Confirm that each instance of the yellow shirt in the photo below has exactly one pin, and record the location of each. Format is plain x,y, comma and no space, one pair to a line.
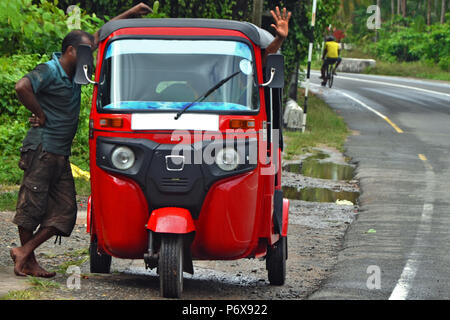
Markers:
332,48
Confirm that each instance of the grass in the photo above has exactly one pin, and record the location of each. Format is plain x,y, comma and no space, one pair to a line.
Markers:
39,286
323,127
417,69
82,186
44,284
8,201
414,69
75,258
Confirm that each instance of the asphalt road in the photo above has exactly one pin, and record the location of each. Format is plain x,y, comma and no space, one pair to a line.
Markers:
399,246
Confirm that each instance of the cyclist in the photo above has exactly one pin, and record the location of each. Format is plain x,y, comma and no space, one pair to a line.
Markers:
330,56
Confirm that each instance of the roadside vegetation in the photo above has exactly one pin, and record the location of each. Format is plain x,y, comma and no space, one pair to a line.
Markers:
324,127
413,40
39,287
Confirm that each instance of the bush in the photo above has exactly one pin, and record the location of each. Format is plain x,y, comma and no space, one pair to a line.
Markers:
29,28
29,33
11,70
406,40
14,118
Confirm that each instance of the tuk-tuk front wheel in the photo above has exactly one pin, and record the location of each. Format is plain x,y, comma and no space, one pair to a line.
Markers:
276,262
99,263
171,266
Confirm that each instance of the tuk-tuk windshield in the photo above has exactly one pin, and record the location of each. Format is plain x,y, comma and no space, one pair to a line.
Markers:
167,75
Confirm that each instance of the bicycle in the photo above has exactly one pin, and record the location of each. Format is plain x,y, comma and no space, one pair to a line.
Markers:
329,75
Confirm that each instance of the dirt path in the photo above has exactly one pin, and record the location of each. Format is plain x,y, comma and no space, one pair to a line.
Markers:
315,235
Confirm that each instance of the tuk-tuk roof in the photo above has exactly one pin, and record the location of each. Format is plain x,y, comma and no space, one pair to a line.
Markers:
258,36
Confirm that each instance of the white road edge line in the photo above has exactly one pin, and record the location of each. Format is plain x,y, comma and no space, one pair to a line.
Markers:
382,116
395,85
409,272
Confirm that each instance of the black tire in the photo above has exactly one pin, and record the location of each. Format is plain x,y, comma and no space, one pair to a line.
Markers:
276,262
171,266
330,80
330,76
100,263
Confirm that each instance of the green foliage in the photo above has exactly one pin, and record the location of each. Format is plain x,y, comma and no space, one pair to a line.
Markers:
30,28
8,201
325,127
29,33
102,8
80,146
11,70
415,69
411,44
295,48
13,116
401,39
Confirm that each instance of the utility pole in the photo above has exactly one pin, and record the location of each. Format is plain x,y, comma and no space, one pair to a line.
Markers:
378,17
313,22
257,12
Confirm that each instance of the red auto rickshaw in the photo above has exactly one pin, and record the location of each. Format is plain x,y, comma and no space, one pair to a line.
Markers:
185,147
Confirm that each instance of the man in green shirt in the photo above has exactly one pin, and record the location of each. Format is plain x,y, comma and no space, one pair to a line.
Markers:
47,194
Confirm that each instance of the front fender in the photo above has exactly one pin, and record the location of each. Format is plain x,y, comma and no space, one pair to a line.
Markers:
171,220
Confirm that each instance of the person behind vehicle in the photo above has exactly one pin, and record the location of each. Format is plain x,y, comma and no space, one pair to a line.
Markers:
47,193
281,27
330,55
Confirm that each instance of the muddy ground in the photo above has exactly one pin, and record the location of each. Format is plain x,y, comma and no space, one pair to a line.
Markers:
315,236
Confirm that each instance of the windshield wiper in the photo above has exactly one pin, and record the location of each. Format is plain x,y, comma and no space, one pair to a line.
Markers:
206,94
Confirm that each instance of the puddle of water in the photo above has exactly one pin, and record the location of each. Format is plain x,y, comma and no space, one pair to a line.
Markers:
311,167
319,194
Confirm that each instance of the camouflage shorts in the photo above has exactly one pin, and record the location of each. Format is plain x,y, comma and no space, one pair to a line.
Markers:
47,194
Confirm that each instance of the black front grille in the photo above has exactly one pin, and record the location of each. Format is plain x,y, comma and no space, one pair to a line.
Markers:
174,182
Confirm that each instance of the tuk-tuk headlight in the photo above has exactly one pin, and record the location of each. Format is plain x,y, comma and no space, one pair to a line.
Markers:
123,158
227,159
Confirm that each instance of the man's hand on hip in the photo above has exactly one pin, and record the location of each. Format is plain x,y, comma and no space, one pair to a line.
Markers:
36,121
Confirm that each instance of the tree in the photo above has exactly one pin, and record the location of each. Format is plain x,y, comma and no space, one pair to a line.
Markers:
443,12
392,9
404,8
429,12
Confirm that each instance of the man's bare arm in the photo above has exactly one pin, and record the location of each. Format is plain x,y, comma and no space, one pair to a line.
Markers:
281,27
135,12
26,96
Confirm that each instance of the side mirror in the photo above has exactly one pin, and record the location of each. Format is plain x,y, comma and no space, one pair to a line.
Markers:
85,62
275,71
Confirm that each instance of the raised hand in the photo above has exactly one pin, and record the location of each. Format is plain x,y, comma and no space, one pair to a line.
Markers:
281,25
